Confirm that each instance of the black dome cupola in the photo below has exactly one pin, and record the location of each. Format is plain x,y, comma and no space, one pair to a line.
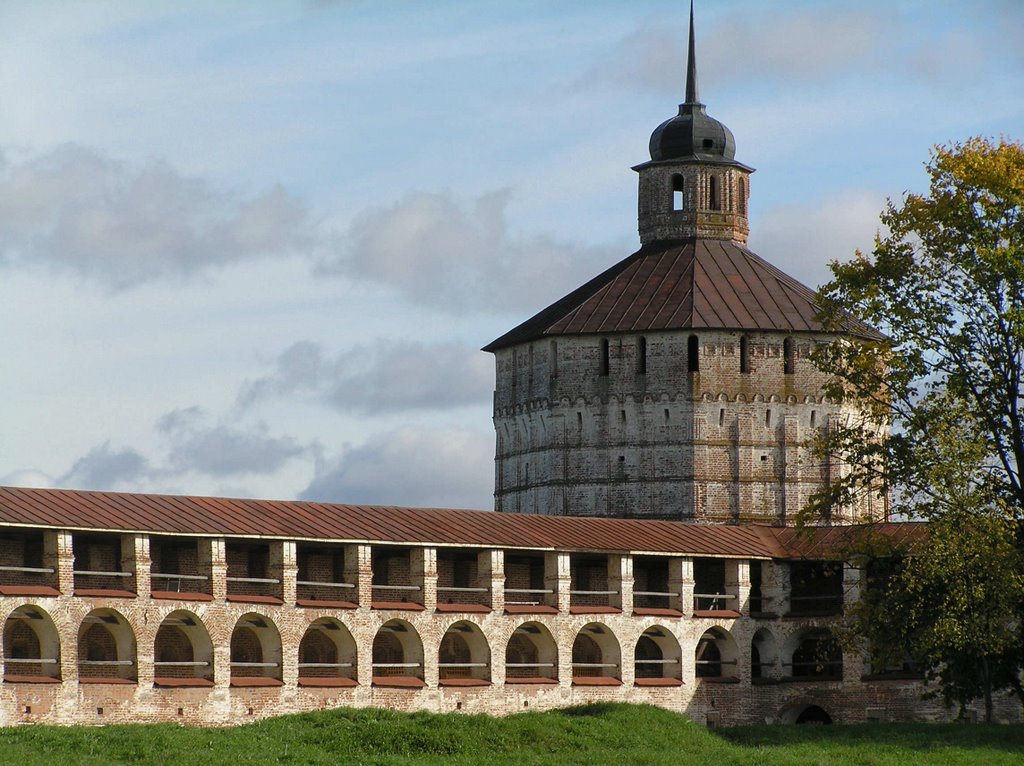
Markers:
693,187
692,134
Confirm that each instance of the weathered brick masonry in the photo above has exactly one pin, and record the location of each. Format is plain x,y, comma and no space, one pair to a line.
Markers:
727,624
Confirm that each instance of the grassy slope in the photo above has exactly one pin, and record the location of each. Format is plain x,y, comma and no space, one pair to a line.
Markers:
600,735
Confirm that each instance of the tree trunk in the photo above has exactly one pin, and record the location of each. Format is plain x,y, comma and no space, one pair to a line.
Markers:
986,679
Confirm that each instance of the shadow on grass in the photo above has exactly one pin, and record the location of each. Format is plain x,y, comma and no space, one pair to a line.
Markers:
905,736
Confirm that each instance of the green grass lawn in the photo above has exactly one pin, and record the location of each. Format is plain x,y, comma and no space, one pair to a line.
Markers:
595,735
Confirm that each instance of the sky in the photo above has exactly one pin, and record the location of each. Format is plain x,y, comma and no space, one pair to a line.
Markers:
253,248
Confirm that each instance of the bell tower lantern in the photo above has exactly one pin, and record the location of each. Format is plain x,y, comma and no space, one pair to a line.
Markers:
693,187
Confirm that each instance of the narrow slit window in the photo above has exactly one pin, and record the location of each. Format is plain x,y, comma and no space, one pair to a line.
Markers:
641,356
721,417
788,362
554,359
744,354
741,194
692,354
814,417
605,360
713,202
767,418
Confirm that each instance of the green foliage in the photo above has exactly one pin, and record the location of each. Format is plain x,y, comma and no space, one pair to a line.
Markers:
942,396
594,734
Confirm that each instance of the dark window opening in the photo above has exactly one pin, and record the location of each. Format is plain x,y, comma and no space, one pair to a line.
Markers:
678,200
708,660
818,655
756,594
788,361
641,356
605,358
713,201
692,354
744,354
742,190
708,143
709,585
816,588
554,359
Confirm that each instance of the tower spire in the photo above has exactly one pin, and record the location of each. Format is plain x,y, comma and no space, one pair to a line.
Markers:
692,96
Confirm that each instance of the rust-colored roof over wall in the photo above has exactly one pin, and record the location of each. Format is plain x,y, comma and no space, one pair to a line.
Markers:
692,284
174,514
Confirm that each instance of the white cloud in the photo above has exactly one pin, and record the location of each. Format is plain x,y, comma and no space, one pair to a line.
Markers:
389,376
411,467
121,224
801,240
440,253
28,477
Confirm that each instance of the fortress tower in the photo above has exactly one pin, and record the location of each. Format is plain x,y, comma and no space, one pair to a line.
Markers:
677,384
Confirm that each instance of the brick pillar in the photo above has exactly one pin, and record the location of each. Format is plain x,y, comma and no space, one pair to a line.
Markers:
490,570
701,471
853,588
680,581
215,561
790,468
745,464
423,572
775,587
737,583
60,555
853,585
136,558
287,569
834,465
284,561
359,572
557,578
222,662
620,578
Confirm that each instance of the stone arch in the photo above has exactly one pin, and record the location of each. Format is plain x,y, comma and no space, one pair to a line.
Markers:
106,648
596,653
182,650
397,652
716,655
464,654
657,656
531,654
764,655
31,645
813,654
803,712
255,650
327,651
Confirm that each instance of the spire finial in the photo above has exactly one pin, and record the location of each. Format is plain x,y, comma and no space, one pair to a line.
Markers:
692,97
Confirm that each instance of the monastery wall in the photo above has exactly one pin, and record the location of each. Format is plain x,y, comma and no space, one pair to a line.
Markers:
725,641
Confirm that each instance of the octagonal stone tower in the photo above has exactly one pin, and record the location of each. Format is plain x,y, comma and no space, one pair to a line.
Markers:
677,384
